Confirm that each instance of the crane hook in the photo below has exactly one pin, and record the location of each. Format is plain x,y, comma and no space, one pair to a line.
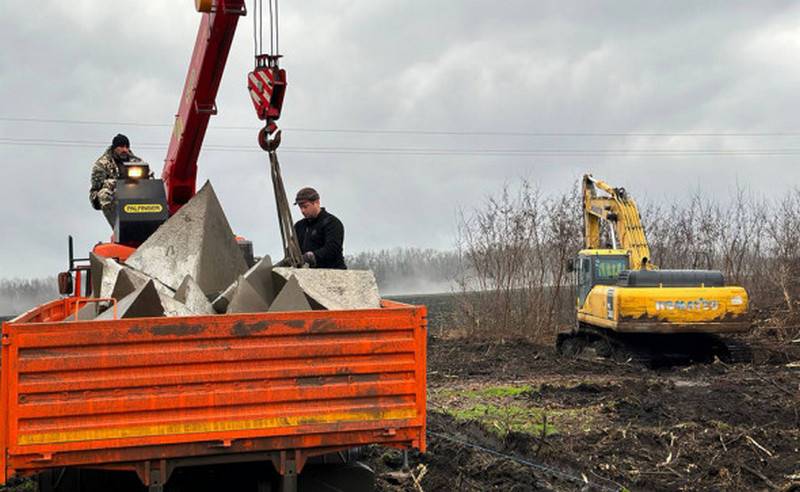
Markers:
265,139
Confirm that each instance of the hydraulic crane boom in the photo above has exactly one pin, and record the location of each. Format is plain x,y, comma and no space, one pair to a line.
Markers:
197,105
622,215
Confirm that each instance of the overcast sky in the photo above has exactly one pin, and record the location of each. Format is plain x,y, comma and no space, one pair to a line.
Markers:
634,80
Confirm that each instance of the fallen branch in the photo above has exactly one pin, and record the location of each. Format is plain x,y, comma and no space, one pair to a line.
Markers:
761,476
418,478
670,472
759,446
773,383
621,487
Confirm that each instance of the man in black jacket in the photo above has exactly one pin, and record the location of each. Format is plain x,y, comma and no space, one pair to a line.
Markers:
320,234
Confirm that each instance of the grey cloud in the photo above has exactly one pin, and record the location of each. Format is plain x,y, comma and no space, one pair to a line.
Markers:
454,65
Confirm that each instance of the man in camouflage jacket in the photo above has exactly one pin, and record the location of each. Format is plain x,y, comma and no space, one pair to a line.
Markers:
106,170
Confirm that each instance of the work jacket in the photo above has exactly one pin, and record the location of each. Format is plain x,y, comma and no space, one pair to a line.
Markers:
324,236
105,172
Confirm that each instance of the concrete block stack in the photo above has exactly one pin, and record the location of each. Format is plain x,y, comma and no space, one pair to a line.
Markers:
192,265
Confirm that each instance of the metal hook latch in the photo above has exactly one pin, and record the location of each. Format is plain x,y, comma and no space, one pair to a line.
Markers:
269,137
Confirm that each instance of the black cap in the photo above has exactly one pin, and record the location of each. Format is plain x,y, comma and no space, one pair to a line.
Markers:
306,194
120,141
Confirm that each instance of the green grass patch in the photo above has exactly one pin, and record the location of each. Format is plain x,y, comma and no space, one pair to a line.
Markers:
488,392
502,391
503,419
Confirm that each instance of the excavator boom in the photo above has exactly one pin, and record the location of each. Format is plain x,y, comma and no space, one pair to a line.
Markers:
619,210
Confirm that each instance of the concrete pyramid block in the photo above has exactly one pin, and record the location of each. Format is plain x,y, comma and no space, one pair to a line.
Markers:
111,270
221,302
290,298
173,307
86,312
129,280
96,269
246,299
124,285
196,241
191,295
336,289
260,278
141,303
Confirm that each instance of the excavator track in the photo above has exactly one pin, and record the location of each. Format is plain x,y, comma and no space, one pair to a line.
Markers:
737,352
651,350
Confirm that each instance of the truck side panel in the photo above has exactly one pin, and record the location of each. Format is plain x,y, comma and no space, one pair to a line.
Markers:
104,392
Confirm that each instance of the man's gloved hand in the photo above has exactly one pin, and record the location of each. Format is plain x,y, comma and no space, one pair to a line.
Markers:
310,259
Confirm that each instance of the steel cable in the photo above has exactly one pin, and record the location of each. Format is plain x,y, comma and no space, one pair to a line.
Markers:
271,34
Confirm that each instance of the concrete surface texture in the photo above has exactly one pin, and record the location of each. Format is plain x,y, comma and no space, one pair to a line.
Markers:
86,312
96,269
141,303
108,280
246,299
336,289
190,294
291,297
173,307
196,241
260,278
125,284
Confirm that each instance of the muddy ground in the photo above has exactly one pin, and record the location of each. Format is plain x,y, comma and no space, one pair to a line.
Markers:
571,424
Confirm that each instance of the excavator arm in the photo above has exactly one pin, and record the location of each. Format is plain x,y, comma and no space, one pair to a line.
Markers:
197,105
602,202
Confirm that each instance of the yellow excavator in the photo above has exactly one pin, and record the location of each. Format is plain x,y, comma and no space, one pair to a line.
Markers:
628,308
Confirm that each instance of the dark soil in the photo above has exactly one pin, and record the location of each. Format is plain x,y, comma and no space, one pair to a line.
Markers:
699,427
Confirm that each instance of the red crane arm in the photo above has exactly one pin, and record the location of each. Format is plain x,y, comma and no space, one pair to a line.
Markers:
214,38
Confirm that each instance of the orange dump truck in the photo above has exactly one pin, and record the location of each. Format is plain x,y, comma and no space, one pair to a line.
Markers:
151,394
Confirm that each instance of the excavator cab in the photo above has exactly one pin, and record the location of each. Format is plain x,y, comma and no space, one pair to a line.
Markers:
598,267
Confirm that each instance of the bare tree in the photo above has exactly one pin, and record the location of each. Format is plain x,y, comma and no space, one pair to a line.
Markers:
513,250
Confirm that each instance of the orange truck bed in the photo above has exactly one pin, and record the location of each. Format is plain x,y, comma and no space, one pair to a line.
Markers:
150,394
